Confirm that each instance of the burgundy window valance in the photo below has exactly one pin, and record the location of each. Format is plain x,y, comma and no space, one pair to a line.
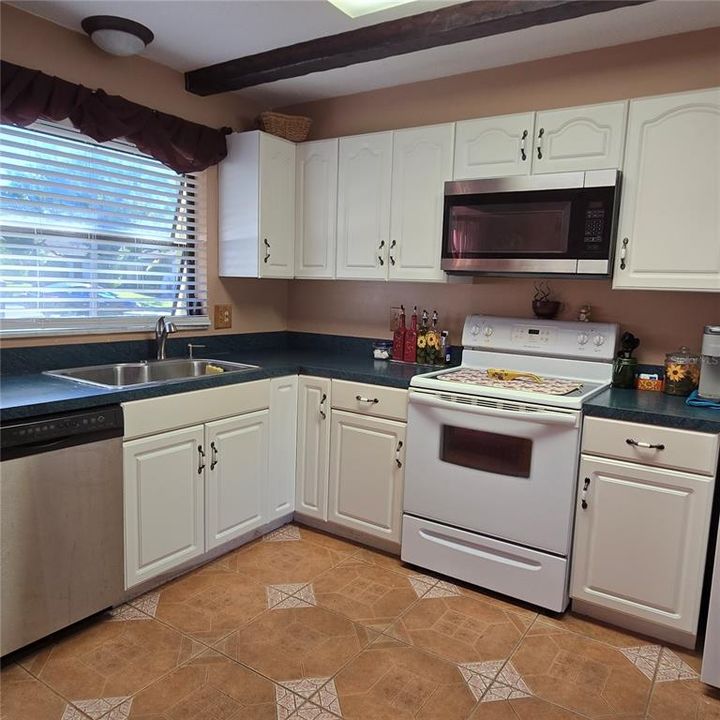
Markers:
30,95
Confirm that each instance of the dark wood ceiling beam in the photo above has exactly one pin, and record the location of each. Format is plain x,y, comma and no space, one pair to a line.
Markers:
453,24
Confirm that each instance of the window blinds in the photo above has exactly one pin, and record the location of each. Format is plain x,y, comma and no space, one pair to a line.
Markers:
95,236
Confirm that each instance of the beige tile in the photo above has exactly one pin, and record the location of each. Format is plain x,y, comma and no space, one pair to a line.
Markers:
386,561
580,674
596,630
275,563
209,687
207,605
684,700
460,629
25,698
296,643
110,658
392,681
365,593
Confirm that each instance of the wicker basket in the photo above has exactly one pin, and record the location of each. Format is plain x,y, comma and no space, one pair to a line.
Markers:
290,127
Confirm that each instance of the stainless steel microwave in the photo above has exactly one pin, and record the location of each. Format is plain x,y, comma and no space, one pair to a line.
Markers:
555,224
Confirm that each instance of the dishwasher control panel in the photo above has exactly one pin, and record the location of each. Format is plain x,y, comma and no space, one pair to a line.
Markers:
107,421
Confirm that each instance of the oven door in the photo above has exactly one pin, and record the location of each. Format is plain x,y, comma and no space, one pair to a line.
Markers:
500,468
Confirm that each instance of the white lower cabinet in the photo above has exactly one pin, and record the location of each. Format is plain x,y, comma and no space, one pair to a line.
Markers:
313,447
367,458
236,484
164,506
641,540
282,446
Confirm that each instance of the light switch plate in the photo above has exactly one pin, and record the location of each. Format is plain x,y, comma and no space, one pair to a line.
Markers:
223,317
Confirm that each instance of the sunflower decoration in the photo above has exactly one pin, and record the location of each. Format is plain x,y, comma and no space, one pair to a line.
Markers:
675,372
422,342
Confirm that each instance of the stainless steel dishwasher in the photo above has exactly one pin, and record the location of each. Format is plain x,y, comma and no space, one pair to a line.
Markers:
61,538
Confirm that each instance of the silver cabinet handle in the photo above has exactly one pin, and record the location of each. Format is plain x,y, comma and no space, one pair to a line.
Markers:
201,459
323,414
523,154
397,453
640,444
372,401
623,253
380,257
213,455
392,258
267,250
584,494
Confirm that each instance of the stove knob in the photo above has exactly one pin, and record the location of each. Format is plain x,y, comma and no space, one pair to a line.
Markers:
475,330
599,340
583,338
487,331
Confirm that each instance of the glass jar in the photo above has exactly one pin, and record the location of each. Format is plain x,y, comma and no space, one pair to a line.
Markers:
682,372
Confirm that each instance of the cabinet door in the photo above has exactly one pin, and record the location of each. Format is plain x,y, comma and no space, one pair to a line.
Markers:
640,544
313,447
163,481
367,458
316,209
422,162
237,476
669,231
493,146
579,138
277,207
283,443
364,182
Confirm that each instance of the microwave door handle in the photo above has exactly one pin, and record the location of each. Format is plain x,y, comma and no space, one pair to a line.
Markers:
569,420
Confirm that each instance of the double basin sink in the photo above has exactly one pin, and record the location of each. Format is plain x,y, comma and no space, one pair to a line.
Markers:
149,372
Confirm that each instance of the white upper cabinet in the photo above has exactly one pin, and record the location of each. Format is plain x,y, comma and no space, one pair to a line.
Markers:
257,207
579,138
363,223
494,146
422,162
316,209
669,231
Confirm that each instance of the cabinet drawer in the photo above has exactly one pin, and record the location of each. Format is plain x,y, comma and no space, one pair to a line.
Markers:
154,415
374,400
679,449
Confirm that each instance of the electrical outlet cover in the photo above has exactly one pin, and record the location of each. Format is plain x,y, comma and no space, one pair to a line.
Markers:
223,317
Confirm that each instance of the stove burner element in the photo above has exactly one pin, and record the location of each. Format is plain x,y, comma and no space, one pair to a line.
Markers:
521,382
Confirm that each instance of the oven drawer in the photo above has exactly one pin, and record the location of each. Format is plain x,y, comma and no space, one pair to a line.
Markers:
375,400
525,574
679,449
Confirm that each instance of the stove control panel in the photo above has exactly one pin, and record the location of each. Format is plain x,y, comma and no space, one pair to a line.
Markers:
553,338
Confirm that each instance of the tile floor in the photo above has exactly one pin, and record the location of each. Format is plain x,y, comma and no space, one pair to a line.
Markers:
304,626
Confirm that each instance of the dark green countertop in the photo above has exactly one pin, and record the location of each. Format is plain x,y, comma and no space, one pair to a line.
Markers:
36,394
652,408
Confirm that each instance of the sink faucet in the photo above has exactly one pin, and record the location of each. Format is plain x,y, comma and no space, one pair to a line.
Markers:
162,330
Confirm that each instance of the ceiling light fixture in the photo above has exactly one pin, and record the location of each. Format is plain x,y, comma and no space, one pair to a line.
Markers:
116,35
356,8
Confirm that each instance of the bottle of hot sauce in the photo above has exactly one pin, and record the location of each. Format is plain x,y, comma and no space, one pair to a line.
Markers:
398,351
411,338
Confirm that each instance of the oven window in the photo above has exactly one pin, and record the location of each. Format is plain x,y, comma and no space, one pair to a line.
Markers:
509,229
491,452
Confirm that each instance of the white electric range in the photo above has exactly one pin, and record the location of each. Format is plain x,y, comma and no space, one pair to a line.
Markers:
491,466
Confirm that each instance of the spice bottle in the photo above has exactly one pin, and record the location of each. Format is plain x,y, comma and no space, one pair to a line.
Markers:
398,348
411,335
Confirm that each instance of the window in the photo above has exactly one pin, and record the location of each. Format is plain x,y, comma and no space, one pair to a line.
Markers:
95,237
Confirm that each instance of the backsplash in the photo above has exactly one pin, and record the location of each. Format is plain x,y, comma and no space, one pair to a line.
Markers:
662,320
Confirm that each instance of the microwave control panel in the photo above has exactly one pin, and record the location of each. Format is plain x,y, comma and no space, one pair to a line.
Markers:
594,226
